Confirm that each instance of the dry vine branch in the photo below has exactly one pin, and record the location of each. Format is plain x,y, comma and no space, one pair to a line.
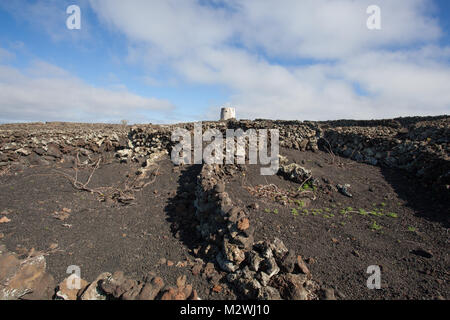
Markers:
77,184
124,195
330,151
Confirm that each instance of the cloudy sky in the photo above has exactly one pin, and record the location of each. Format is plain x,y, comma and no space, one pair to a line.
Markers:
166,61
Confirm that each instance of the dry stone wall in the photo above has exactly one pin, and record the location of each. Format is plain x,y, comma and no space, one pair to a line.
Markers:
257,270
44,143
419,145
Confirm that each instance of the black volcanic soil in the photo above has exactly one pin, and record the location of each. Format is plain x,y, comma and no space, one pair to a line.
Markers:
102,236
159,226
339,242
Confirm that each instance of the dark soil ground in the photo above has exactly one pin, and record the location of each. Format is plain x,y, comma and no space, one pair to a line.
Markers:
409,238
103,236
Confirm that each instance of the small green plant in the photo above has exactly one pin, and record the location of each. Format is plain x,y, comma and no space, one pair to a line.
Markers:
327,210
305,187
392,215
294,212
411,229
376,213
267,210
375,226
362,212
308,186
300,203
275,211
383,204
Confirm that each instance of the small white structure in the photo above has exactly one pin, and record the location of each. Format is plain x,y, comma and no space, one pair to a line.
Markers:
227,113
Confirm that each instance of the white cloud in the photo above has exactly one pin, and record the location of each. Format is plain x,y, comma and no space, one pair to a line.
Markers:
324,29
46,92
241,44
280,59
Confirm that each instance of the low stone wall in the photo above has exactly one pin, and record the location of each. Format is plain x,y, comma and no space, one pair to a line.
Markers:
42,144
420,145
258,270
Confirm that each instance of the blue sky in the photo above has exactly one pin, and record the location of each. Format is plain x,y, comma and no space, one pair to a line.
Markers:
171,61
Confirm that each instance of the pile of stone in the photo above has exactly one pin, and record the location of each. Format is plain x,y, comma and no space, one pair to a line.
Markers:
418,145
117,286
261,270
27,279
422,147
146,140
42,144
293,134
293,171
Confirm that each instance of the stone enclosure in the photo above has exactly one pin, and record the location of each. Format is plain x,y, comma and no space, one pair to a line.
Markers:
258,270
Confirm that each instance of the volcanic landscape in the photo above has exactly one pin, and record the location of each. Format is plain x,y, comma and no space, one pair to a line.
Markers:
106,200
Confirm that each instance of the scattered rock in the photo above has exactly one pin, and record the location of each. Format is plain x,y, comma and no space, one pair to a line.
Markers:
151,288
25,279
344,189
302,265
291,286
217,288
5,220
94,291
295,172
71,287
287,263
243,224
